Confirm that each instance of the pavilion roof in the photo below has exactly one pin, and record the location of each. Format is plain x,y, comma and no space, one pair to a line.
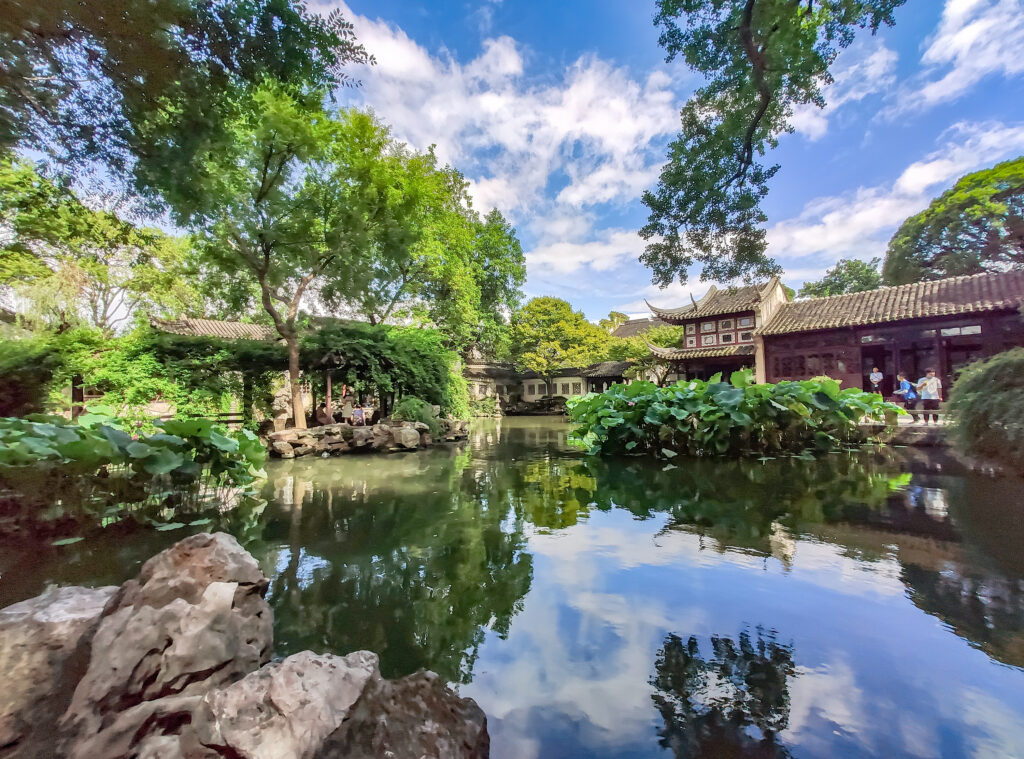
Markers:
682,354
970,294
606,369
635,327
715,302
215,328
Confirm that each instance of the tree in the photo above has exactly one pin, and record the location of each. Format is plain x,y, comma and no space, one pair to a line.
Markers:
463,275
646,365
299,200
974,227
547,335
849,275
613,320
72,264
761,58
150,85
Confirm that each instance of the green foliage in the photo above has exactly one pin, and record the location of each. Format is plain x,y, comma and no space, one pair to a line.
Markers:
79,457
150,85
987,403
412,409
761,59
849,275
974,227
487,406
547,335
26,368
635,350
76,265
613,320
716,418
455,398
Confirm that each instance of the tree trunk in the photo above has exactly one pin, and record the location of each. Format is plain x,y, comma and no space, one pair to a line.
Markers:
298,410
327,393
77,395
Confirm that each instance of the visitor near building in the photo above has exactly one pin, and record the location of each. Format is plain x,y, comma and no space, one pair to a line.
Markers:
906,393
875,378
930,388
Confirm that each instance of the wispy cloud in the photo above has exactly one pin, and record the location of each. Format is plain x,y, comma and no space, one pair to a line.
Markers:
974,39
859,223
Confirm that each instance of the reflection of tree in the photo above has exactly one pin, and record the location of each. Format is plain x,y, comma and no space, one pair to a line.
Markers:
987,610
414,557
731,701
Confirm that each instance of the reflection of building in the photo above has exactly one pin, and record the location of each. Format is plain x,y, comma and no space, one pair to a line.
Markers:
944,324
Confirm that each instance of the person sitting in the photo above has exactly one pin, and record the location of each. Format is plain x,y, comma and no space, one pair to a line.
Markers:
322,417
357,416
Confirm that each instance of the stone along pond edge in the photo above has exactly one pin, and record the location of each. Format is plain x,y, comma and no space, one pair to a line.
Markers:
342,438
177,663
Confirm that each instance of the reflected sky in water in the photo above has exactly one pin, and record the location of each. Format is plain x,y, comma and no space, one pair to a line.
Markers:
867,604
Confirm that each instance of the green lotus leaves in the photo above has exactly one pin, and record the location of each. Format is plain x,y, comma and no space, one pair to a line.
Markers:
716,418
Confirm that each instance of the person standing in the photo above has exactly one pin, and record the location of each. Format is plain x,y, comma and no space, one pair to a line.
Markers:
930,389
875,378
907,394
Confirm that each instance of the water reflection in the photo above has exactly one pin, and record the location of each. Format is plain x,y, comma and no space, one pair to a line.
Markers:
729,698
611,607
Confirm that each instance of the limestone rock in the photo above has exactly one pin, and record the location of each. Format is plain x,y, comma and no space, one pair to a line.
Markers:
426,440
383,436
302,450
44,649
416,717
284,435
306,440
406,437
282,449
286,709
194,620
362,437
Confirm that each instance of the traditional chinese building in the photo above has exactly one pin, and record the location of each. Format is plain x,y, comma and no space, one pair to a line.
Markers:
944,324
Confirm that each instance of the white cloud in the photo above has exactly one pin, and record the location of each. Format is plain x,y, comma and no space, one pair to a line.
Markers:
541,149
866,68
974,39
859,224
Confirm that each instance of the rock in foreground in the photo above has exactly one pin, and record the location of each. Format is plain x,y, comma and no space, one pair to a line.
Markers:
173,665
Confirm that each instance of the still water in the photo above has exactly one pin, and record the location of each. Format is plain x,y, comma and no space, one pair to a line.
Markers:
860,605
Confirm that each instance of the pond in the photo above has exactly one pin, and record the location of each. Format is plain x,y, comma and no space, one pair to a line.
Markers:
865,604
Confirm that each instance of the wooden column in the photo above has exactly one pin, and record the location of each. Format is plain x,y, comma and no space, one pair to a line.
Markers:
327,400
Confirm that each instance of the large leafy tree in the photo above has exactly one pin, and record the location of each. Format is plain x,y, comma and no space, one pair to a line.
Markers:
547,335
760,58
500,269
645,365
974,227
613,320
849,275
150,84
300,200
71,264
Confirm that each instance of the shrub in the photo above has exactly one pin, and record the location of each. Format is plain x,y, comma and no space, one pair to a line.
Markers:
412,409
987,404
486,406
26,368
723,418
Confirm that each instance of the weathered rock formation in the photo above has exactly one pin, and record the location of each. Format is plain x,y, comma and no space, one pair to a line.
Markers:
173,665
44,651
336,439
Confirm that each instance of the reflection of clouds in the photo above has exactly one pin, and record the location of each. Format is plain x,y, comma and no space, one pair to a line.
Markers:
826,693
1003,729
306,567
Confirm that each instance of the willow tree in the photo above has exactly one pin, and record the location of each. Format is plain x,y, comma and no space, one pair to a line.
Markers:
300,199
761,58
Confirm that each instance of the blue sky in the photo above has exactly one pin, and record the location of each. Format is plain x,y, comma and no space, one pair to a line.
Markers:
559,114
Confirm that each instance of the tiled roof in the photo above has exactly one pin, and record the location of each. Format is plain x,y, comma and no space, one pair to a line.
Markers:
569,371
971,294
493,371
214,328
606,369
715,302
682,354
635,327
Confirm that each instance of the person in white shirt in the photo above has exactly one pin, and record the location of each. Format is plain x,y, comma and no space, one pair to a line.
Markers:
930,389
875,378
